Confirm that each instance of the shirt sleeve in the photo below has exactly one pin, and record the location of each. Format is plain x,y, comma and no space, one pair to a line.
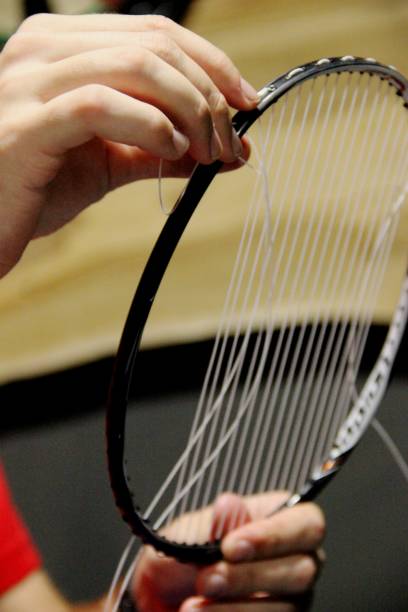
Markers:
18,555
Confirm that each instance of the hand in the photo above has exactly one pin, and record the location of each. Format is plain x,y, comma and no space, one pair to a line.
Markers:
92,102
270,564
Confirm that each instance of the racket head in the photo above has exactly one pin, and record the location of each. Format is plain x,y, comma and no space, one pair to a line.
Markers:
349,431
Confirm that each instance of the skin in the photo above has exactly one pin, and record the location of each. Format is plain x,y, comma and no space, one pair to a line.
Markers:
93,102
88,104
270,564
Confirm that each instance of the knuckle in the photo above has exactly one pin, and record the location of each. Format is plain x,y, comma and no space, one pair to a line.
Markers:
39,20
16,46
316,523
8,88
160,22
136,61
21,46
162,129
305,574
223,63
90,101
219,105
202,112
163,46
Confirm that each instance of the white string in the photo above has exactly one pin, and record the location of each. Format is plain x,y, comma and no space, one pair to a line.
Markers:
118,572
196,437
302,273
126,581
250,371
262,244
165,211
292,238
279,211
335,423
331,393
206,405
333,353
292,428
396,454
168,211
253,378
267,243
265,264
330,275
232,366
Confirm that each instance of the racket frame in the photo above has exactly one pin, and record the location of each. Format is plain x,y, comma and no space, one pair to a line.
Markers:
149,284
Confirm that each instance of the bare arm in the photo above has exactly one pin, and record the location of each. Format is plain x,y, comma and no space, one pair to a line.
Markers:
36,593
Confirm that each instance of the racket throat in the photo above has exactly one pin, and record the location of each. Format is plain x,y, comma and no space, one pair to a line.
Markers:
319,481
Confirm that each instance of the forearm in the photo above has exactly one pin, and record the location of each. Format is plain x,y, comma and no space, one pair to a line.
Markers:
36,593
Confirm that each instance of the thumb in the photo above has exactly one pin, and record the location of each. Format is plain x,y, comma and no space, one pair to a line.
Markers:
229,513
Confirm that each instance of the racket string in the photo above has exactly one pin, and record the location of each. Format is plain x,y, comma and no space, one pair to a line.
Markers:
376,276
293,347
297,394
313,345
336,340
224,330
240,324
265,267
277,352
335,331
270,292
193,440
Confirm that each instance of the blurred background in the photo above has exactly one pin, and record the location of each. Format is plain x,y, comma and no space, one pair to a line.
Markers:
62,310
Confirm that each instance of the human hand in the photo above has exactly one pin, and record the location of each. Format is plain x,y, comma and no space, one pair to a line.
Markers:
90,103
270,564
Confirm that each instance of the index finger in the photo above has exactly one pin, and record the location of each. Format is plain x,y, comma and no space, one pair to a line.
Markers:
289,531
238,92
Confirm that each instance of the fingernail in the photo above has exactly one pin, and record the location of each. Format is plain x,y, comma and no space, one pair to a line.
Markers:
248,91
215,145
236,144
239,551
214,585
181,143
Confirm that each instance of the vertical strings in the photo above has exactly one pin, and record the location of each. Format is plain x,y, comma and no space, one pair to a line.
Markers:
334,339
313,255
367,285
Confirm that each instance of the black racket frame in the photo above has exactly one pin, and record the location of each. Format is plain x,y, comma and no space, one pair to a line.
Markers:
149,284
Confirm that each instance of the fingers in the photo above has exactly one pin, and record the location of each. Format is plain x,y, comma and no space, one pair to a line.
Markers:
146,77
256,604
285,576
230,512
274,556
158,72
299,529
115,93
94,110
218,66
